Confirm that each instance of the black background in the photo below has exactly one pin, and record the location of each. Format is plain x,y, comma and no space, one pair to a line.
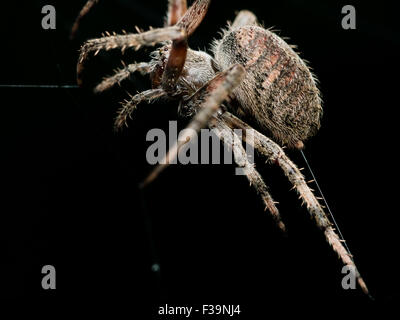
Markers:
69,181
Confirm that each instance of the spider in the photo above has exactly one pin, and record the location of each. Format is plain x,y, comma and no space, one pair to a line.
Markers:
252,73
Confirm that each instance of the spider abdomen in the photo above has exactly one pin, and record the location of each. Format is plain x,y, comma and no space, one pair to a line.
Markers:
279,92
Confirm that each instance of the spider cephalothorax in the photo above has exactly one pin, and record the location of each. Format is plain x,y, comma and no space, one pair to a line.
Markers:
199,68
252,73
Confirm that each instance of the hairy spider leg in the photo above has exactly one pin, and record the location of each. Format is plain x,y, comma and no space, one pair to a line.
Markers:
219,88
122,74
148,38
275,154
86,8
233,142
176,10
194,16
128,106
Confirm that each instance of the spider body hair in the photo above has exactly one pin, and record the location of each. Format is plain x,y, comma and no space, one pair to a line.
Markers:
279,93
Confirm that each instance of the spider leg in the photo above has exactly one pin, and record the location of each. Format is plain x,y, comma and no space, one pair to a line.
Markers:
189,22
175,64
194,16
209,97
244,18
129,106
176,10
86,8
232,140
148,38
122,74
274,153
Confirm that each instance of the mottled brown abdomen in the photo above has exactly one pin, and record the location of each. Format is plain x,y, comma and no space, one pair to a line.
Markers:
279,91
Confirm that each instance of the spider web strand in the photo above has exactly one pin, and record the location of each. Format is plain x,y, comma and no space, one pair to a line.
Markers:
44,86
326,203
